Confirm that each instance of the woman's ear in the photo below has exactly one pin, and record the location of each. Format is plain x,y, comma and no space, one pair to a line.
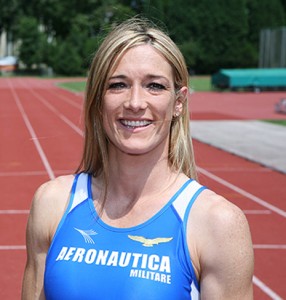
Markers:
181,97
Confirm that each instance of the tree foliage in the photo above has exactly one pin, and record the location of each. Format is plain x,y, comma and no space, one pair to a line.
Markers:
32,41
63,34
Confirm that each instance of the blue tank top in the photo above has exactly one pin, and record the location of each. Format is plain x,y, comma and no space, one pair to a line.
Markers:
89,259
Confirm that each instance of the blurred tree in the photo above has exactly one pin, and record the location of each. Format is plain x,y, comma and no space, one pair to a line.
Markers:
264,14
211,34
106,16
67,60
216,29
31,46
9,12
9,16
283,2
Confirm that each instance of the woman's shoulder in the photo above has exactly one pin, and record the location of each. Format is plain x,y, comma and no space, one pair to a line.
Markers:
216,219
216,211
217,230
50,201
54,190
54,185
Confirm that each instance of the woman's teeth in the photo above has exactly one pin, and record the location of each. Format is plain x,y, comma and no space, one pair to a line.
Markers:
134,124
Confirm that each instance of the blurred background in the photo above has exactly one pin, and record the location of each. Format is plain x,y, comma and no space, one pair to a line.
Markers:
58,37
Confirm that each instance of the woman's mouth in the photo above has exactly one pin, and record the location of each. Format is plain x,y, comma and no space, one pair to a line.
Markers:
135,124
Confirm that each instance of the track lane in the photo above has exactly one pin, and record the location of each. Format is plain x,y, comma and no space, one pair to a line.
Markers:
71,107
17,139
16,149
53,130
52,148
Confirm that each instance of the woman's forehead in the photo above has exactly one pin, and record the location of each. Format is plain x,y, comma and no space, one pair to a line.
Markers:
143,58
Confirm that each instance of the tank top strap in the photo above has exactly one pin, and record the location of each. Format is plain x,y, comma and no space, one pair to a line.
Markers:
184,202
79,193
80,190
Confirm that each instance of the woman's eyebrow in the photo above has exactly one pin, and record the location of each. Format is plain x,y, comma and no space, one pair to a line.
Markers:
153,76
117,77
148,76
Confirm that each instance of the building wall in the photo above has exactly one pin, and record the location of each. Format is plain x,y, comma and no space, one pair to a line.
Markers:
272,49
7,48
3,44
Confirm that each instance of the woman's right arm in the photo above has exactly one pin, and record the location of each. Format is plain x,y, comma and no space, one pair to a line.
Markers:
37,243
47,208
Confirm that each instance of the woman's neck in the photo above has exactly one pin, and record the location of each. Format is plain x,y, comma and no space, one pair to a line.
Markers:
137,175
138,187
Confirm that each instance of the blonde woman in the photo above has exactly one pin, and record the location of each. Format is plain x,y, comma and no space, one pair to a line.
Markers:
134,223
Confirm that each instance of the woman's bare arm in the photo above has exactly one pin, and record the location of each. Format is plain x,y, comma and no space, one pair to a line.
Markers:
47,209
225,253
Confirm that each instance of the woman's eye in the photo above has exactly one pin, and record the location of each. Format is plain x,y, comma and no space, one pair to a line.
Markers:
156,86
116,86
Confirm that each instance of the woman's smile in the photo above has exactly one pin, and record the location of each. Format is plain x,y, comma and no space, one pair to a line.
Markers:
134,124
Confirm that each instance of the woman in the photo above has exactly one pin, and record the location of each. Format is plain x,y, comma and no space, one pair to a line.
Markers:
134,223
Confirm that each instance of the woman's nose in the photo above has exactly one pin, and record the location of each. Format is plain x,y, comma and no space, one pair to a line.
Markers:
136,99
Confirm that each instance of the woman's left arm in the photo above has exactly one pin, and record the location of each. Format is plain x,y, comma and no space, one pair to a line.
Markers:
225,252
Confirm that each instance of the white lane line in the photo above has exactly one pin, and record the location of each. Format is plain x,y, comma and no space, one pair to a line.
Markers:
240,169
243,192
33,173
14,211
56,112
67,100
25,173
270,247
12,247
56,90
257,212
266,289
32,133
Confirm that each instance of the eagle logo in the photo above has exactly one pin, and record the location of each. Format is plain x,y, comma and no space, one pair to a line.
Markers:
149,242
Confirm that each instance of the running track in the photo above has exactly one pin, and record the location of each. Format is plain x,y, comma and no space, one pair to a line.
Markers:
41,138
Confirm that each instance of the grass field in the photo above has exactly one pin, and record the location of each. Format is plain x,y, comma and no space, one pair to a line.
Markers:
77,86
277,122
200,83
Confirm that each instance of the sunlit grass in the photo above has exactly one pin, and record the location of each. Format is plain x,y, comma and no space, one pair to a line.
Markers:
76,86
200,83
277,122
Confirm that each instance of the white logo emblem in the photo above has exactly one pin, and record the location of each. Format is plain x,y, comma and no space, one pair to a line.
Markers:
86,235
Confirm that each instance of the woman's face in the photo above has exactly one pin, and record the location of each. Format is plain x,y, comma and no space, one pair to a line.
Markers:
140,102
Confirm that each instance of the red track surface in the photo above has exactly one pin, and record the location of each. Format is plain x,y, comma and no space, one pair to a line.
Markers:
42,138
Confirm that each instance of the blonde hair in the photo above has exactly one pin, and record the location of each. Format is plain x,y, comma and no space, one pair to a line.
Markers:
131,33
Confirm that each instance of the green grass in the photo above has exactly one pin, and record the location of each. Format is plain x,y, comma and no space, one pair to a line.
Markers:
76,86
200,83
277,122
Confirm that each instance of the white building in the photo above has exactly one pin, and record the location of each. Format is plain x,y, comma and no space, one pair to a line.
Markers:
6,48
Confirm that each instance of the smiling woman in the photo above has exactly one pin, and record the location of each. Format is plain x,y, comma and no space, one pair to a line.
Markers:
134,223
140,103
106,60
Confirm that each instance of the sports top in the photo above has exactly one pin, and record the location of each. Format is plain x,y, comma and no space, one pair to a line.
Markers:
88,259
